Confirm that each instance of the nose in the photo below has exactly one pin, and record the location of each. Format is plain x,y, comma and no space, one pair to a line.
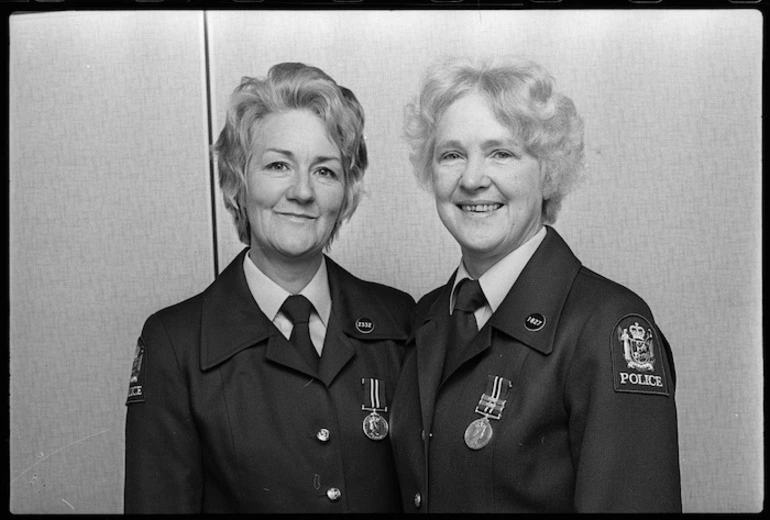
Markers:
301,189
474,176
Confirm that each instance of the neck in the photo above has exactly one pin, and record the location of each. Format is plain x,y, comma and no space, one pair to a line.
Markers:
477,265
292,274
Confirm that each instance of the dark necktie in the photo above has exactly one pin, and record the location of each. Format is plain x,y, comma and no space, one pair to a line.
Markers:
297,308
469,297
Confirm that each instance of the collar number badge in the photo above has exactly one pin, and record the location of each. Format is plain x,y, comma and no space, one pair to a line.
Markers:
364,325
535,322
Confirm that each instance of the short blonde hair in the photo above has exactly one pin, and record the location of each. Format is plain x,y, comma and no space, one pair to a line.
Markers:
289,86
522,96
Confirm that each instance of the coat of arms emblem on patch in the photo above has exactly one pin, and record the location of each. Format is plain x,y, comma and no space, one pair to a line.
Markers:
136,391
638,348
136,368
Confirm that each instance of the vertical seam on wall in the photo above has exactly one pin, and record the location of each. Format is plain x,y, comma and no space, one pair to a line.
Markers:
212,176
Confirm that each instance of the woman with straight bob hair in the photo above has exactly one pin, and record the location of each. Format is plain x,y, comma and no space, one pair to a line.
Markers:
534,384
269,392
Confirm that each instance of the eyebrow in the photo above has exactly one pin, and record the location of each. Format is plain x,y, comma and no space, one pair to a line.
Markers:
318,159
451,144
489,143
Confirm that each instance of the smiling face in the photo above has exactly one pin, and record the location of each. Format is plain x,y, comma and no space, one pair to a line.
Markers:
295,188
488,190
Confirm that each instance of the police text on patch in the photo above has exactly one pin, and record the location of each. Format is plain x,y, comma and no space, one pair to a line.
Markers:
640,379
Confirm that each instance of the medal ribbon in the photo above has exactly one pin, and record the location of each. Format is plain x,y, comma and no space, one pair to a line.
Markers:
493,400
374,395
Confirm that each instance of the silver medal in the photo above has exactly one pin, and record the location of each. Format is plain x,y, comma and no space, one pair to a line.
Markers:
375,426
478,433
491,405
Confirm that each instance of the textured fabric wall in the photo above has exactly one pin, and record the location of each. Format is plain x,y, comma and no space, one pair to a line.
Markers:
110,220
111,213
670,206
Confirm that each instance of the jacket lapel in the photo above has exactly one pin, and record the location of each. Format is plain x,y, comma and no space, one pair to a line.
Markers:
480,342
539,292
281,351
431,339
232,321
338,349
352,301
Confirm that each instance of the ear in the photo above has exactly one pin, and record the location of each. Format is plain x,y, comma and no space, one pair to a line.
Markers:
429,181
546,180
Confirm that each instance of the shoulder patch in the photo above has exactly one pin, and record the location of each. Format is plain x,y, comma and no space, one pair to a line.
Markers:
637,357
136,390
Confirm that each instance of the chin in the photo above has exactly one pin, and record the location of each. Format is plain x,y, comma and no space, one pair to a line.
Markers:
300,250
473,243
477,251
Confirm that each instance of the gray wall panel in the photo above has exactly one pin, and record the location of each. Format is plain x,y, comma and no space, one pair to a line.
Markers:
110,220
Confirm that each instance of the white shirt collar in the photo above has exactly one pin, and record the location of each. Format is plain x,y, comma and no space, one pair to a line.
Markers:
497,281
270,296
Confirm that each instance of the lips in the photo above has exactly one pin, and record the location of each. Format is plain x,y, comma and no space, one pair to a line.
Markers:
297,215
479,207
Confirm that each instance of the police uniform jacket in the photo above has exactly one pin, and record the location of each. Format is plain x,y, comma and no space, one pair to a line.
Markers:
228,417
589,421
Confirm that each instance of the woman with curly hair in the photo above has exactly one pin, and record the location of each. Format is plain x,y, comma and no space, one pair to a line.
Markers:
268,392
532,384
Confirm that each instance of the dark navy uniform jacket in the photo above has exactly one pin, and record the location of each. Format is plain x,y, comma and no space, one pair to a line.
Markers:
589,423
224,415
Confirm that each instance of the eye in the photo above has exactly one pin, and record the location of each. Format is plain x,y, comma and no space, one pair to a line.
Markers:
326,173
504,154
449,156
277,166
